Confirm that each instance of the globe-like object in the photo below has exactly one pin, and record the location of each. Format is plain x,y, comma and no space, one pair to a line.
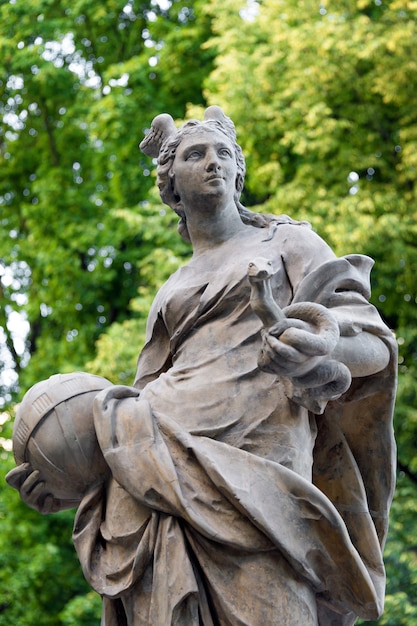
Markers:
54,432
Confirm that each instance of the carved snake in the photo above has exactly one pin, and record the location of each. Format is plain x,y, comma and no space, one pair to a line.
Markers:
306,326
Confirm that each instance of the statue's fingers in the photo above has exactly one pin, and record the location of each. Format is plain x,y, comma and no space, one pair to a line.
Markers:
277,329
30,482
306,342
49,505
278,362
17,476
117,392
39,498
280,351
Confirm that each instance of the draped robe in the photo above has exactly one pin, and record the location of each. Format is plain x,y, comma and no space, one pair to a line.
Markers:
229,502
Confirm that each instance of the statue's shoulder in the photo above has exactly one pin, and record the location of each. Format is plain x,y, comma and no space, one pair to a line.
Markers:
295,233
168,285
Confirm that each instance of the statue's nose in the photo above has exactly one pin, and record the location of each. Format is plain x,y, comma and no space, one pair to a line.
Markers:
212,161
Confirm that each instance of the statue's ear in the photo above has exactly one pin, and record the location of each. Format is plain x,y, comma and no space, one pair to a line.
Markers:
239,184
174,193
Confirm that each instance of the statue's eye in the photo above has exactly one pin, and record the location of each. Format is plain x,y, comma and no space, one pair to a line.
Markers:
194,154
225,152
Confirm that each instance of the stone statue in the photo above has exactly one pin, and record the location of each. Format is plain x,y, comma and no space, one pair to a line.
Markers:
246,476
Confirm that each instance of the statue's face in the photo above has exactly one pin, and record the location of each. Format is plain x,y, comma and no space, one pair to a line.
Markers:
205,167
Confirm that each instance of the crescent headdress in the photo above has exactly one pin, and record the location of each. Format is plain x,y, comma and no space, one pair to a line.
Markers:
163,128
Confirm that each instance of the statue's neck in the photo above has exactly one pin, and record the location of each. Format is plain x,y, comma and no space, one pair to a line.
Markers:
212,228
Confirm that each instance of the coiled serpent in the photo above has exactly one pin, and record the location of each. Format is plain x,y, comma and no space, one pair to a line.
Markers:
307,327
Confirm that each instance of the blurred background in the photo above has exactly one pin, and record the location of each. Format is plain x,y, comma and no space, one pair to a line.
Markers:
324,99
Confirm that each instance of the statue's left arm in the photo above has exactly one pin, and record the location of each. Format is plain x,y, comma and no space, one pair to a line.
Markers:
340,336
364,354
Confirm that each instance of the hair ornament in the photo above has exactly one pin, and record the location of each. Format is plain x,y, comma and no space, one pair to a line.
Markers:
162,128
215,113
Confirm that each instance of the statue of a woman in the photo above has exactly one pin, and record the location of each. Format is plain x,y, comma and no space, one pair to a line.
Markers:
243,491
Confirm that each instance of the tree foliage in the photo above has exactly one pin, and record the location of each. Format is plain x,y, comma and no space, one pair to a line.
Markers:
325,111
322,95
79,89
39,573
83,242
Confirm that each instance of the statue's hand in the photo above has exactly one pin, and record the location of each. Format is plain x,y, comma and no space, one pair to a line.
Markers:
299,342
283,355
32,489
300,349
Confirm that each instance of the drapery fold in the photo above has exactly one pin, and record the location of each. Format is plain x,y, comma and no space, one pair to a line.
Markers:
208,467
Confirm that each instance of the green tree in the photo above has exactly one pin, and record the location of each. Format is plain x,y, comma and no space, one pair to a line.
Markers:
80,83
322,94
39,571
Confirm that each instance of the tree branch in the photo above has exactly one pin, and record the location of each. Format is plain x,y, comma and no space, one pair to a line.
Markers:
50,133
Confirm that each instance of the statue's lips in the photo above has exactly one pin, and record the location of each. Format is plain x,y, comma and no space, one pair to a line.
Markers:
212,179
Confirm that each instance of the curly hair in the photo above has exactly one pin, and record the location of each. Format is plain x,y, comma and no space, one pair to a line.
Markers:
165,177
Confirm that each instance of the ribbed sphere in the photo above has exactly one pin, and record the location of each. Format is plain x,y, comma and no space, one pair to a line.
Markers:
54,432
